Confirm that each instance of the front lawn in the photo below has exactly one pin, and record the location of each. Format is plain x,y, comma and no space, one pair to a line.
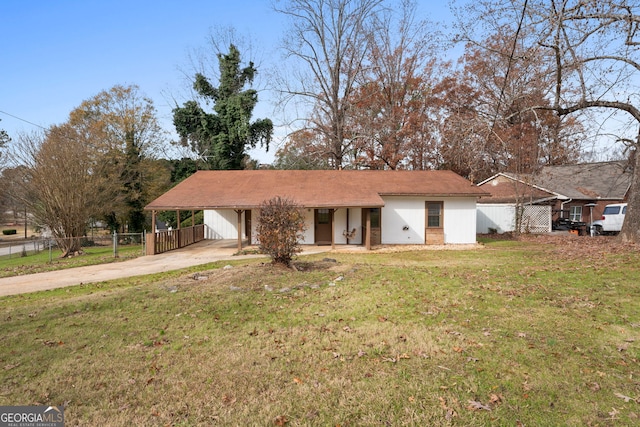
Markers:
45,260
529,333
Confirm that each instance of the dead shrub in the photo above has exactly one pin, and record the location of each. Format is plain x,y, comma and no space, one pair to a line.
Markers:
280,227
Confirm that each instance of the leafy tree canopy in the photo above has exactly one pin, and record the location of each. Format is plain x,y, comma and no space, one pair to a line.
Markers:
4,137
222,136
127,134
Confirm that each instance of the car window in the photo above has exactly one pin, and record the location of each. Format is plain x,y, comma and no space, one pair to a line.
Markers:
611,210
624,210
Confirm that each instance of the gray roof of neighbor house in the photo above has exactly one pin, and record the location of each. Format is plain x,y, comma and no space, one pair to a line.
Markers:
316,188
602,180
586,181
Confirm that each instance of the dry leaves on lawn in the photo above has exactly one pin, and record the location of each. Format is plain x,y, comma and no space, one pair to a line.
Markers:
474,405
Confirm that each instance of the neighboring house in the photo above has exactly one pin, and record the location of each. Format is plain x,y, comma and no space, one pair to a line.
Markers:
510,195
568,193
341,206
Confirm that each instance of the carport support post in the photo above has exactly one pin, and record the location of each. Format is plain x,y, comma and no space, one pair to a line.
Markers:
151,237
178,236
239,212
115,244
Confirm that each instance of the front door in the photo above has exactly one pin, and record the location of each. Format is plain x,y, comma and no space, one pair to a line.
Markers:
374,215
322,226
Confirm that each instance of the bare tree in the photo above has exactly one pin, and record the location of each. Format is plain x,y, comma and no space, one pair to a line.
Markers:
391,106
329,38
302,149
11,205
492,121
62,184
592,48
280,228
4,141
130,137
4,197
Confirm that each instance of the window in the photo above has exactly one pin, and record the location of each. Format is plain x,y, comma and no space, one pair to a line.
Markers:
575,213
324,216
375,217
434,214
611,210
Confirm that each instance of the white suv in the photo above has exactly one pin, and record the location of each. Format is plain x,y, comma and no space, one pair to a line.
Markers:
612,219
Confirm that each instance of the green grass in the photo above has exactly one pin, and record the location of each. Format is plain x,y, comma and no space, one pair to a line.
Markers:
44,261
511,333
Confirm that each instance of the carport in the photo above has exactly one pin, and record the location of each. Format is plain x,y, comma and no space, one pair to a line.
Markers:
159,241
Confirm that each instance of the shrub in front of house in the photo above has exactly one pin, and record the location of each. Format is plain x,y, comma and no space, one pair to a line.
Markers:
279,229
9,232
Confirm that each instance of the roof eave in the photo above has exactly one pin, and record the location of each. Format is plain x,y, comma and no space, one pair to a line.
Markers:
247,207
483,194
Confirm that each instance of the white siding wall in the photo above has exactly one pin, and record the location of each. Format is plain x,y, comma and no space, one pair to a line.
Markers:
500,217
309,234
221,224
398,213
460,220
255,214
340,219
355,221
401,212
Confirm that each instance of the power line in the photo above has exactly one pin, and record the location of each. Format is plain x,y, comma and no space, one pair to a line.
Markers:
22,120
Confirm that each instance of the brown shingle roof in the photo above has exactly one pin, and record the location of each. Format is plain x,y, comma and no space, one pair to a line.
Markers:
586,181
506,189
317,188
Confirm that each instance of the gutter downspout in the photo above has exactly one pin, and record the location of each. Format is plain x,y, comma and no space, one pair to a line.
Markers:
562,207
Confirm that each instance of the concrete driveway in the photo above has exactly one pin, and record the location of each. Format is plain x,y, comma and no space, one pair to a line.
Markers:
200,253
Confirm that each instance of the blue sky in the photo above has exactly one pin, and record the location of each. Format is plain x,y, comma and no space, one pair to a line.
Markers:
56,54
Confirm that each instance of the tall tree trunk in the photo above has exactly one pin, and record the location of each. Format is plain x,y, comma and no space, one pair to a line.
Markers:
69,246
630,232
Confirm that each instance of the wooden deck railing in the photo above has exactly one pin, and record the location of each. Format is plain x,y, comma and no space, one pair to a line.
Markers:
164,241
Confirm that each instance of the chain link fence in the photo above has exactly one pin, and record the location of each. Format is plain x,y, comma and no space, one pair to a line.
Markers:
108,244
